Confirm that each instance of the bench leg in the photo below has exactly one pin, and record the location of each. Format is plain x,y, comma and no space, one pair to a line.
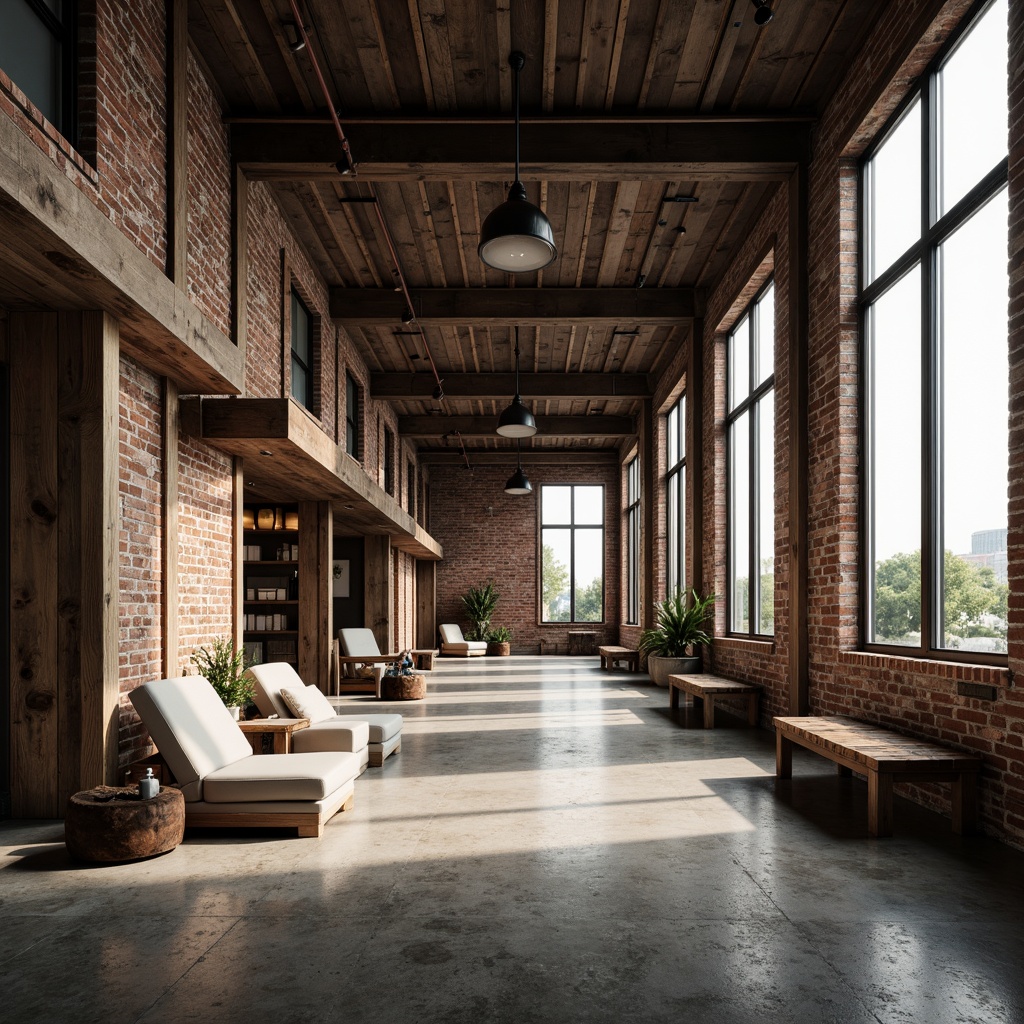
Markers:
673,696
965,803
879,803
783,756
709,712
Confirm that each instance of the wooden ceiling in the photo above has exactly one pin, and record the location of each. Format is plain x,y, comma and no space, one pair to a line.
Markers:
627,105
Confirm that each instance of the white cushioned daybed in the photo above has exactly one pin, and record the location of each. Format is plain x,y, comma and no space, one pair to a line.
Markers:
383,731
453,642
224,783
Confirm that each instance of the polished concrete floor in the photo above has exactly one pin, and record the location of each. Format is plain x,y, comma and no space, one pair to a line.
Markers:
551,844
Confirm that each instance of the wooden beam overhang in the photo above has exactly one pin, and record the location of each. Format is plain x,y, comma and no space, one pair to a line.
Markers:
411,386
59,252
474,149
303,464
548,426
370,307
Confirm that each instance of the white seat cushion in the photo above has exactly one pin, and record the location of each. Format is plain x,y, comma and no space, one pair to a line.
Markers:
332,735
280,777
268,681
381,727
465,647
451,633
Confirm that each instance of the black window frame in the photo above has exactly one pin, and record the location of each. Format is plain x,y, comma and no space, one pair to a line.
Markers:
923,254
573,528
755,394
352,418
389,461
296,360
675,488
633,541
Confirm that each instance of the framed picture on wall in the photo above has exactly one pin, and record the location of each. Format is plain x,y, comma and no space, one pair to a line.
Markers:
340,579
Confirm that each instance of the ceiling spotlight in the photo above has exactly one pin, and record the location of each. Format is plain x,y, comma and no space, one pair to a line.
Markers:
516,420
764,13
265,451
344,168
408,316
438,393
516,236
294,37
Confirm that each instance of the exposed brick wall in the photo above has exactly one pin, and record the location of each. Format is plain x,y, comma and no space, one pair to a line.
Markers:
913,695
209,202
140,531
503,545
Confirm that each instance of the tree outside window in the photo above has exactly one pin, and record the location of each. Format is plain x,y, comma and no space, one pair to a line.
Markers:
572,553
675,494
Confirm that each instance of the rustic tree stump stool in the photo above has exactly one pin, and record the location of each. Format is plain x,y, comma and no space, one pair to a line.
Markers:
412,687
111,823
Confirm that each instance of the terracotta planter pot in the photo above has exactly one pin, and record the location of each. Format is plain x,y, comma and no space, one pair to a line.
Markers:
499,649
660,668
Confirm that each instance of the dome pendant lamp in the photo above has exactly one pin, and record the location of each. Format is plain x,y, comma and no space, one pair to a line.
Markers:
516,237
518,482
516,420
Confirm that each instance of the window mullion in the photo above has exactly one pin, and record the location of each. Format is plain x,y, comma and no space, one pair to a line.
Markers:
930,429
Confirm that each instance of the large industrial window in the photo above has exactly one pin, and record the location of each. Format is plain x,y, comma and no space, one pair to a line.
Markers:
302,353
675,503
389,461
750,425
351,416
572,553
633,541
37,51
934,304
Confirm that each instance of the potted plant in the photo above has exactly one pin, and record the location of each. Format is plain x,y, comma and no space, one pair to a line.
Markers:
670,647
224,668
499,641
479,603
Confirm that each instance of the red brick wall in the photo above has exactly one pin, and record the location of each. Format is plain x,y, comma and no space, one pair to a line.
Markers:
913,695
502,544
140,528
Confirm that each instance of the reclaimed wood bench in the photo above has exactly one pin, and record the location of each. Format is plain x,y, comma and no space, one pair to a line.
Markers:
706,689
611,655
884,757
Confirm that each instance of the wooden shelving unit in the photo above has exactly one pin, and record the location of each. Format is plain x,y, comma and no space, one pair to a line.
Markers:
271,623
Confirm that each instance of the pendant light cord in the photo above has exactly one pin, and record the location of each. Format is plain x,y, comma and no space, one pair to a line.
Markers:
517,360
517,60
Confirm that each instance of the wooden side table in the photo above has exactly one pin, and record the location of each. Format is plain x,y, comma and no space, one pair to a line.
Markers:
423,658
280,728
110,823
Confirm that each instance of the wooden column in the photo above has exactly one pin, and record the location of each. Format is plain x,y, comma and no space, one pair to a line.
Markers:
648,504
797,372
64,523
695,453
169,544
315,611
377,602
237,561
426,604
177,141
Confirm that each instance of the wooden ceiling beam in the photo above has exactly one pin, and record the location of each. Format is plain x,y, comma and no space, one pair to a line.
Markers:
542,456
402,387
549,426
524,306
474,149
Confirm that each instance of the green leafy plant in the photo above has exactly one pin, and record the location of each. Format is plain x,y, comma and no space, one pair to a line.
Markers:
681,620
501,635
223,667
479,603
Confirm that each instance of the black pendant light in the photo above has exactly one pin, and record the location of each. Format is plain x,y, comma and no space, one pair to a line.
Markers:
516,420
518,482
516,236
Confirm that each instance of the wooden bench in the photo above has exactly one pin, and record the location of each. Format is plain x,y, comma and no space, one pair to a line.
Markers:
706,689
611,655
884,757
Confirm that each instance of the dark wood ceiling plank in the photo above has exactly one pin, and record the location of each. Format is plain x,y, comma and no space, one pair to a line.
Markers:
355,217
434,27
640,26
472,386
705,47
281,56
739,43
315,229
697,217
547,98
617,232
327,207
416,28
517,305
230,30
745,211
459,239
367,36
674,24
622,20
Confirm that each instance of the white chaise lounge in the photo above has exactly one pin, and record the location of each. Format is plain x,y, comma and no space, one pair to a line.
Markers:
383,731
453,642
224,783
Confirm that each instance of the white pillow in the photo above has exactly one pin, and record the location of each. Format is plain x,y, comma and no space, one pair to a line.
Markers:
308,702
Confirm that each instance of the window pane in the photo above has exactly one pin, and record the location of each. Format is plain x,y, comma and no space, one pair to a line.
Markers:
589,581
894,339
588,506
972,101
300,382
300,330
739,363
672,430
31,57
974,409
739,523
766,335
681,530
672,513
894,199
555,564
556,506
766,513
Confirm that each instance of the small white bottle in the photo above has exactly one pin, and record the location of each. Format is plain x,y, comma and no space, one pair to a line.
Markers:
149,785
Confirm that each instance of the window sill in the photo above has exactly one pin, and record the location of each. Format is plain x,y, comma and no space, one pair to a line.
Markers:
735,643
960,671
